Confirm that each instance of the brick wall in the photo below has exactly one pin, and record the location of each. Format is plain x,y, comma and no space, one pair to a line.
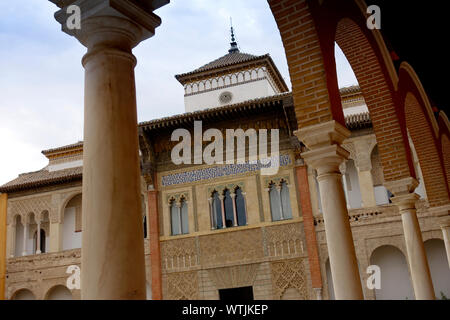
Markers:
427,152
305,61
378,97
445,142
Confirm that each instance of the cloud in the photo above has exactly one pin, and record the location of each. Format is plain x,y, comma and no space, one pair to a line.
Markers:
42,80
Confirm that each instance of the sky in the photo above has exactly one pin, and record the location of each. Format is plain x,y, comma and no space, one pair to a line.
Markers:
42,79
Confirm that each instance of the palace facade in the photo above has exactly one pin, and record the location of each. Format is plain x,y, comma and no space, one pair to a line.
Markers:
211,231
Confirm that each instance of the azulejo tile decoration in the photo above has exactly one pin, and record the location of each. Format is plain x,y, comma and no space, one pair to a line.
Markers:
219,171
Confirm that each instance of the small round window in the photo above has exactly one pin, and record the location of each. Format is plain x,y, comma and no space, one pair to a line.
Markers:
225,97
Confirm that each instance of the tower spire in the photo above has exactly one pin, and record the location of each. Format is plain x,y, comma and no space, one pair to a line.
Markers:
233,43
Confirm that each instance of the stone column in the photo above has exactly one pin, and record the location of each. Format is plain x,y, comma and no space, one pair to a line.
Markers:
233,199
405,199
180,227
38,237
326,154
278,187
343,169
446,235
155,248
112,258
222,206
313,191
363,164
25,231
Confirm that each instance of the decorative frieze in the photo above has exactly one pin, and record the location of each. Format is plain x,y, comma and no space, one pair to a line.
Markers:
218,171
181,286
289,274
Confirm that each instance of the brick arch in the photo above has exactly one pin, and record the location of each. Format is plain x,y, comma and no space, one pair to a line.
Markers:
65,202
379,96
306,63
427,151
444,131
308,31
445,145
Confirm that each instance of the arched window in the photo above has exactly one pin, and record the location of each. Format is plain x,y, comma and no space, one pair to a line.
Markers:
228,210
275,202
184,216
41,246
145,227
280,204
144,216
216,208
179,217
19,236
228,205
72,223
285,201
23,294
175,220
59,292
240,207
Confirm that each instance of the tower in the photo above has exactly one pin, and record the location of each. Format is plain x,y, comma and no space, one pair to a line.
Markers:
232,78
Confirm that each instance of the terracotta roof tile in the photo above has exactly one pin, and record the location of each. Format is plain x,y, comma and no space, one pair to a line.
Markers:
224,61
41,178
62,148
358,121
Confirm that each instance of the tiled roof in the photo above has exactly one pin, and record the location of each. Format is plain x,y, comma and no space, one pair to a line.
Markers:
205,113
41,178
358,121
350,90
224,61
63,148
44,177
228,59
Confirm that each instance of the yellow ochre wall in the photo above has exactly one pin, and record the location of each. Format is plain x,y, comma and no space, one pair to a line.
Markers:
3,202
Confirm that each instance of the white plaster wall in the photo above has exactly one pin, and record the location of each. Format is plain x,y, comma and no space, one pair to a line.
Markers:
354,192
242,92
19,240
71,239
381,195
355,110
395,279
30,241
65,165
439,268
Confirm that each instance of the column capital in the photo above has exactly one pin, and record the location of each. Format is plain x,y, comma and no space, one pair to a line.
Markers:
323,134
362,148
343,167
109,22
326,159
445,222
402,186
406,202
